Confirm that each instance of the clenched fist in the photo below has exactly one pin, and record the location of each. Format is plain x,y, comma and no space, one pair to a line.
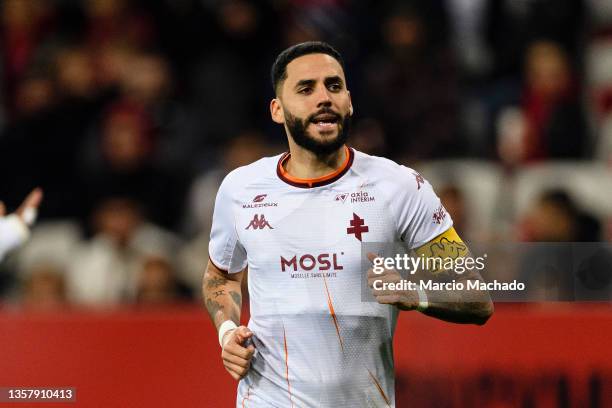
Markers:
236,357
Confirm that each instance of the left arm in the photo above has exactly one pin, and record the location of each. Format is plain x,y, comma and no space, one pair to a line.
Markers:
457,306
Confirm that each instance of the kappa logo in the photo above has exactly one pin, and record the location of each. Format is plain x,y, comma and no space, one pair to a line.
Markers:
259,222
259,198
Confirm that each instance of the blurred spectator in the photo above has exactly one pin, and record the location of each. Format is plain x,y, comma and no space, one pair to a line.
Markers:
468,23
124,166
51,244
145,78
512,25
159,284
551,122
412,88
109,20
24,25
48,131
44,288
104,270
112,62
551,267
557,127
75,73
34,94
231,88
146,81
556,218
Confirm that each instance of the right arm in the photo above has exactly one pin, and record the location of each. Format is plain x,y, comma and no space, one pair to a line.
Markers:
223,299
222,294
221,289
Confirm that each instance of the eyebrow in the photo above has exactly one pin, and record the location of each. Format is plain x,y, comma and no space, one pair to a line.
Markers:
327,80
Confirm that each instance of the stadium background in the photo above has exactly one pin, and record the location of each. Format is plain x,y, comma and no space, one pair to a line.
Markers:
129,113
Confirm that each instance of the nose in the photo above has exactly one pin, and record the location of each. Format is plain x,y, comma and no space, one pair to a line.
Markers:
323,97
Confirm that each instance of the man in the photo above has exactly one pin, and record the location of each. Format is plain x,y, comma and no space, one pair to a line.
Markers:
298,221
14,228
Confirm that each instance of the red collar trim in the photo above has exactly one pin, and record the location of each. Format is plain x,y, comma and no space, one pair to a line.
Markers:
315,182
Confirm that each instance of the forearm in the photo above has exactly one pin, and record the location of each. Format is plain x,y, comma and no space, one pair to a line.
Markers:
222,296
460,305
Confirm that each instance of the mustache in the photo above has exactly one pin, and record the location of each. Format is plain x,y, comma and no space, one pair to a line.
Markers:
323,111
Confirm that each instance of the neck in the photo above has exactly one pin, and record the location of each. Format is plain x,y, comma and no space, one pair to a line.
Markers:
304,164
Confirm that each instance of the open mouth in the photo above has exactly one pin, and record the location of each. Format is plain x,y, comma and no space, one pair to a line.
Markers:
325,121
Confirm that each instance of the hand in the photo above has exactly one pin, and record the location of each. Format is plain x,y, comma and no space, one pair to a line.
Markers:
403,299
27,210
236,358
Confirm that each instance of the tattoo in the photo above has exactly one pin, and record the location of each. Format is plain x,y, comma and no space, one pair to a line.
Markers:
215,282
220,306
236,297
235,317
453,305
213,308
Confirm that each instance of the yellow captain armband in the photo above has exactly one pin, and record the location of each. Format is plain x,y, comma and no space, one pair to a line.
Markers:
446,246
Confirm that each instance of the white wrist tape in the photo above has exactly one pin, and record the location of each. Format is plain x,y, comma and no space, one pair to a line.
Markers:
423,303
224,328
13,232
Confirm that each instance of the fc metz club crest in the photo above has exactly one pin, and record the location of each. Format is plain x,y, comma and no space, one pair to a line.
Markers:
357,227
259,222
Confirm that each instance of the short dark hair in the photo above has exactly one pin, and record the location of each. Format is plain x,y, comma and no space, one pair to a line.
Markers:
279,68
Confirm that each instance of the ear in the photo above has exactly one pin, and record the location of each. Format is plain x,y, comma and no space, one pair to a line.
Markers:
276,111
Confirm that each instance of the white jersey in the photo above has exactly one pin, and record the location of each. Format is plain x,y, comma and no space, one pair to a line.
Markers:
317,343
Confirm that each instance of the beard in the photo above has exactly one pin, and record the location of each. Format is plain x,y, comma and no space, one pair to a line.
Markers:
321,148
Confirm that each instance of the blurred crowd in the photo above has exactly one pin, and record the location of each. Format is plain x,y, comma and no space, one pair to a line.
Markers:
128,113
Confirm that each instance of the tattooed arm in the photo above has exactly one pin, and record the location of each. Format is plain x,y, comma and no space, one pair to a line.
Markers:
222,294
458,306
223,298
449,303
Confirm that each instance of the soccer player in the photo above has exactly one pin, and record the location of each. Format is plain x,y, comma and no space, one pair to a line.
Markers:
298,221
14,228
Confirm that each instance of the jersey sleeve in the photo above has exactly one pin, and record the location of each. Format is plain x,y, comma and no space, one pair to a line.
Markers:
420,213
224,249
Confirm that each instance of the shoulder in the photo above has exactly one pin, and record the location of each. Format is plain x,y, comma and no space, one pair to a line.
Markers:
386,174
242,177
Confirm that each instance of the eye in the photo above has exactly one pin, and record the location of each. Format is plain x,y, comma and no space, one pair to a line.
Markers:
305,91
335,87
